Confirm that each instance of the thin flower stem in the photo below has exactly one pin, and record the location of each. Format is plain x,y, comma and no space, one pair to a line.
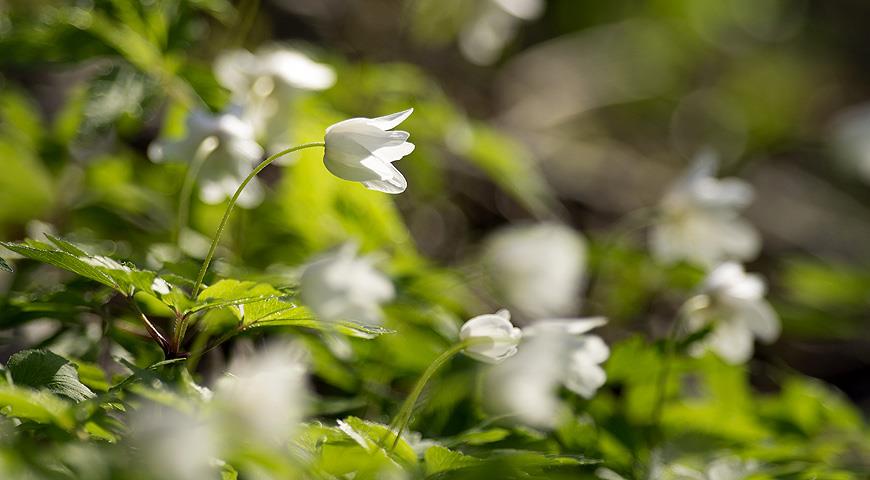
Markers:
232,204
400,422
205,148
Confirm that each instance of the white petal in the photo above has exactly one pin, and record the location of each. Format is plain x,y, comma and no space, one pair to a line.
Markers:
752,287
762,320
732,340
393,153
390,121
574,326
394,184
594,349
584,378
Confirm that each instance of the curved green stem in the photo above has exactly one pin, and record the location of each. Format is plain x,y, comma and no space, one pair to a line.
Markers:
400,422
232,204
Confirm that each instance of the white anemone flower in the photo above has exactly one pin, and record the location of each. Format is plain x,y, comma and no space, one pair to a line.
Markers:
493,337
363,149
225,145
554,353
264,396
700,219
267,82
343,286
732,302
537,269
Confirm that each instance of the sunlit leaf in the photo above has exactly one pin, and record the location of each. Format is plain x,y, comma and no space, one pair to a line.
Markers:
44,369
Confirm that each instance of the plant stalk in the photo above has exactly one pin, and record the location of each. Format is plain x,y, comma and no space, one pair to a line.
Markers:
223,224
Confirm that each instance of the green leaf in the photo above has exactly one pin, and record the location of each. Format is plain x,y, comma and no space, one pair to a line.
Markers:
44,369
263,305
229,292
351,329
373,436
37,406
439,459
121,277
46,254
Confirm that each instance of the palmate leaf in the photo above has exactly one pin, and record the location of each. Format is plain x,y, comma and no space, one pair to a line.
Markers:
43,369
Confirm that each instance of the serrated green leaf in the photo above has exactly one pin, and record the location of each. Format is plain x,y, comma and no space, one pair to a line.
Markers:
439,459
351,329
44,369
44,253
62,254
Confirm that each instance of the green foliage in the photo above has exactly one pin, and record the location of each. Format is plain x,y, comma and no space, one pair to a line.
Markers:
86,87
125,279
44,369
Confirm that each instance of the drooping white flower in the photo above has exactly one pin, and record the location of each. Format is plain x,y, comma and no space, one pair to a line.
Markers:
267,82
263,397
226,145
363,149
537,269
732,302
700,219
493,338
554,353
343,286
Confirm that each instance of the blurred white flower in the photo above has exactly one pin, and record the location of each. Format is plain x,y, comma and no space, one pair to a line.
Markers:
554,353
266,83
732,302
225,144
493,337
342,286
173,444
497,22
537,269
700,219
263,397
726,468
363,149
